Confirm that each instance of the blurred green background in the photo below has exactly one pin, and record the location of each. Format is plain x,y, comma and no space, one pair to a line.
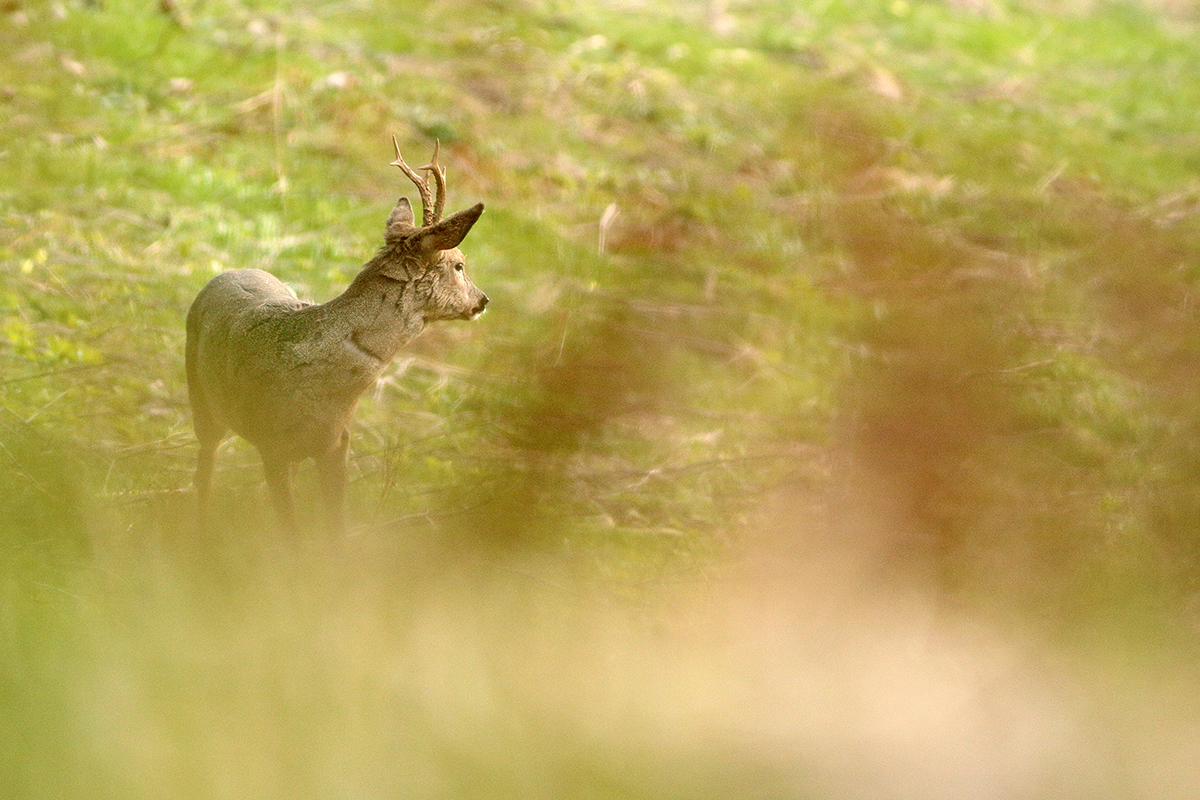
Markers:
832,431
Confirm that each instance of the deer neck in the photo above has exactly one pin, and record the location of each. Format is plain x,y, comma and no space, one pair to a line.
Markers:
373,319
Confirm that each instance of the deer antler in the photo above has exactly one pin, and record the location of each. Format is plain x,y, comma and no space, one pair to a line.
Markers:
431,210
439,178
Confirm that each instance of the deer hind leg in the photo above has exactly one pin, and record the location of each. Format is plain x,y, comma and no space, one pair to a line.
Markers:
279,482
331,469
203,478
210,436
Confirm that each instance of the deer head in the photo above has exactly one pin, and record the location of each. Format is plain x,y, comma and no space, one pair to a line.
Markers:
427,257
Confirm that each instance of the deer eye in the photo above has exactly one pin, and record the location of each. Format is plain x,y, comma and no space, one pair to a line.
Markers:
458,266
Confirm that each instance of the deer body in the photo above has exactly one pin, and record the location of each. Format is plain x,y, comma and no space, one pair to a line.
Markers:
287,375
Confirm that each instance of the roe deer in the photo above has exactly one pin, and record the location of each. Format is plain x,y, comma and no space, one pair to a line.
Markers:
286,375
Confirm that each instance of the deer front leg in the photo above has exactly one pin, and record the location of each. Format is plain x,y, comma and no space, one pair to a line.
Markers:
279,482
331,469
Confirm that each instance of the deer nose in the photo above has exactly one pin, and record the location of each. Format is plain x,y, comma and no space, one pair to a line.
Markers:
478,308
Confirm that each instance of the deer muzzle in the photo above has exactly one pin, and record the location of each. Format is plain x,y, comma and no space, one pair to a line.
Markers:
479,307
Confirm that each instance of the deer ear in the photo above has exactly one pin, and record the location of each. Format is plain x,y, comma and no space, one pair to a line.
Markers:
449,233
400,221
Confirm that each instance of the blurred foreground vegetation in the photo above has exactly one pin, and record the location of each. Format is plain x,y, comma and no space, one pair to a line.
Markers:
832,432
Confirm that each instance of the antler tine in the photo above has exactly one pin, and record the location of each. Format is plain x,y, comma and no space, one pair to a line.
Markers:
439,178
427,207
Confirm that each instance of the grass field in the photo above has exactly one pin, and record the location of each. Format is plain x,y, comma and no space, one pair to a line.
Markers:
832,431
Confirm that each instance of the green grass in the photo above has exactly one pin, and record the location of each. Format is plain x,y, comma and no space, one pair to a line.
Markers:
883,387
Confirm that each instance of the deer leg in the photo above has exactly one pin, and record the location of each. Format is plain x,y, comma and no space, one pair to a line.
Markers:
210,436
279,482
331,469
203,478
